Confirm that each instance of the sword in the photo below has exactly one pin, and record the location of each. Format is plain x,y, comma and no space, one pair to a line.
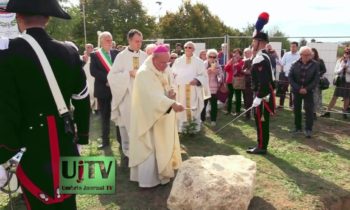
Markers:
236,118
190,108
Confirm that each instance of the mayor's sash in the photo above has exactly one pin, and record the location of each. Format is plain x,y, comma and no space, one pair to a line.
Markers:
105,59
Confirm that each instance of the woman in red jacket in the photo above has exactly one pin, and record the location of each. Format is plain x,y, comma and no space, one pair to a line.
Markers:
233,69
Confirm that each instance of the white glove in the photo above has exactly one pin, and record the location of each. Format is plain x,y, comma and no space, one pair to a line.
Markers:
267,98
257,101
79,147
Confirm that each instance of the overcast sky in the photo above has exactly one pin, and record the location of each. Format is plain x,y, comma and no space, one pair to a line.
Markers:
294,18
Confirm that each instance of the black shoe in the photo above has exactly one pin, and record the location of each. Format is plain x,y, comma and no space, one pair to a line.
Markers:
124,161
345,116
256,151
326,114
102,146
297,131
238,113
280,107
308,134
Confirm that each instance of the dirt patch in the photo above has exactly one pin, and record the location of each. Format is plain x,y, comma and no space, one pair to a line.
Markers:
340,203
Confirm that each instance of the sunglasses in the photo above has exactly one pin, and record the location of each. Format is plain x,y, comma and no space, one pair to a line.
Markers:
347,53
173,57
188,47
212,57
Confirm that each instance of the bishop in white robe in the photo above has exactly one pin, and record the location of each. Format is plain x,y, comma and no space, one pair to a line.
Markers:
154,141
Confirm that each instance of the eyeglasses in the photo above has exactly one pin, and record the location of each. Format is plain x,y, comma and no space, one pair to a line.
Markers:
305,54
212,57
188,47
173,57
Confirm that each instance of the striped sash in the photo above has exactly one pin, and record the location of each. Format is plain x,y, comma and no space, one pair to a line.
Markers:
105,59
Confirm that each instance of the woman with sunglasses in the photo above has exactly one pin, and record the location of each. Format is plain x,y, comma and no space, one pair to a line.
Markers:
342,70
216,76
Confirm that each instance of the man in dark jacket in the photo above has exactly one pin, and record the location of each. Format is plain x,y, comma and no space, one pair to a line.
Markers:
29,117
101,63
303,77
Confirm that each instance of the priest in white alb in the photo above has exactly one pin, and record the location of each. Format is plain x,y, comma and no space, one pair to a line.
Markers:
121,80
154,141
192,84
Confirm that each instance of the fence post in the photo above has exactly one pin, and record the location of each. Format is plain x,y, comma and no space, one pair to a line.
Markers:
227,41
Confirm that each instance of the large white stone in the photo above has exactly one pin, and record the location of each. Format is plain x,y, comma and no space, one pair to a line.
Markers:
216,182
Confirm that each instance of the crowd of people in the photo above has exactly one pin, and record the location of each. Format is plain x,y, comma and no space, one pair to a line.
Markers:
197,84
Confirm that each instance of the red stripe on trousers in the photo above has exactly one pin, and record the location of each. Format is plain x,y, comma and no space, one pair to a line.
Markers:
258,115
26,201
55,152
55,158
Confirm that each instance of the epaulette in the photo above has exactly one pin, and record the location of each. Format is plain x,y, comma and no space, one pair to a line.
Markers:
258,58
4,43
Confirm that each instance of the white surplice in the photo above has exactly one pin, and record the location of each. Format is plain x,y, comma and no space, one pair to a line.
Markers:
121,84
90,82
192,97
154,141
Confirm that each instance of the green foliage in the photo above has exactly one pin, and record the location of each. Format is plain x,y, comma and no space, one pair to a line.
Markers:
280,37
194,21
190,128
302,42
117,17
63,29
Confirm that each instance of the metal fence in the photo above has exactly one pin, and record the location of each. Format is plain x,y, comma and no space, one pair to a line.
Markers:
245,41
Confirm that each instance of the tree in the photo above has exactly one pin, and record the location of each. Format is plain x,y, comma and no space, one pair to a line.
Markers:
63,29
192,21
279,36
302,42
115,16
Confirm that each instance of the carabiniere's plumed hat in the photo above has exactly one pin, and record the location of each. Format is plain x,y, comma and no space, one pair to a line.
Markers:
37,7
259,25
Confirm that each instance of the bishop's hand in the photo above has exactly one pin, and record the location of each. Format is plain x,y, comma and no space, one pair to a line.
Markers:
177,107
132,73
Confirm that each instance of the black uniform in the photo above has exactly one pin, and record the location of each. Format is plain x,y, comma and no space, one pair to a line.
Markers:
263,85
29,116
103,93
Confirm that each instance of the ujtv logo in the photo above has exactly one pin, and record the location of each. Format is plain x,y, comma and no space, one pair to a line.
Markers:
87,175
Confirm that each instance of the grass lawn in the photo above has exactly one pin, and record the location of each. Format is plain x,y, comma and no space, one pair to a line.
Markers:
298,173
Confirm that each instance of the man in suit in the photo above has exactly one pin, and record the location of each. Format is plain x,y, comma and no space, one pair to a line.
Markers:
101,63
29,116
